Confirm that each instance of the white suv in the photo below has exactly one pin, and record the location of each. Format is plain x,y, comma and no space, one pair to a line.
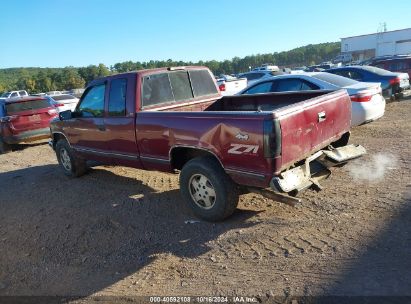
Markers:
13,94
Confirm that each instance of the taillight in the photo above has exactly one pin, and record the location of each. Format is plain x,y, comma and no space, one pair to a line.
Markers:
271,138
52,112
395,80
8,118
222,87
360,98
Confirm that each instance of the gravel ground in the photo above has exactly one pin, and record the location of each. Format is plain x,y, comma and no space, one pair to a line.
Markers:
123,232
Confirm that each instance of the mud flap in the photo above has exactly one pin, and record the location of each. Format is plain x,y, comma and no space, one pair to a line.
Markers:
314,169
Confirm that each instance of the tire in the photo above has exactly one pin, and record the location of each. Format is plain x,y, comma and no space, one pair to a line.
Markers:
398,96
70,164
390,94
206,173
4,148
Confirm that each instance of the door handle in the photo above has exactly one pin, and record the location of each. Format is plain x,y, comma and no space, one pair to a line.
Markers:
321,116
101,127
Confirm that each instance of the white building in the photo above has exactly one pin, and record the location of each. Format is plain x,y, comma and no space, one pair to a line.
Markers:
379,44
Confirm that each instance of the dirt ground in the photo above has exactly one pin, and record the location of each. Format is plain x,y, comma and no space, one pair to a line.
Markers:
123,232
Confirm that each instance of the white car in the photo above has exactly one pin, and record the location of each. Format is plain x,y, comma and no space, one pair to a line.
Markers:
63,102
229,85
255,76
368,104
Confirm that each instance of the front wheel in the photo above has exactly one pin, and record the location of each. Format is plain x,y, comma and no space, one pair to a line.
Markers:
72,166
208,190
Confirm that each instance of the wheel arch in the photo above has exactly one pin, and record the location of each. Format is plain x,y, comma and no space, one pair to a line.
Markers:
180,155
56,136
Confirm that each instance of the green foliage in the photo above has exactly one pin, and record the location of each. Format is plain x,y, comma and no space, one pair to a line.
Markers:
36,80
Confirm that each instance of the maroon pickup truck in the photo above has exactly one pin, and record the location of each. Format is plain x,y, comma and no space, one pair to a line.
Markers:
176,120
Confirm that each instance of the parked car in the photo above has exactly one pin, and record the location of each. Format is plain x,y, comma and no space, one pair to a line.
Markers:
175,119
25,119
229,85
14,94
2,109
54,93
63,102
392,84
367,102
401,64
255,76
267,67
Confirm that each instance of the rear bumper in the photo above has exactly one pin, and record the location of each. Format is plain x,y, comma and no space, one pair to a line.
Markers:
314,169
363,112
27,136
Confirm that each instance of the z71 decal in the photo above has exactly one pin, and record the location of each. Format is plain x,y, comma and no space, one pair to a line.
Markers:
243,149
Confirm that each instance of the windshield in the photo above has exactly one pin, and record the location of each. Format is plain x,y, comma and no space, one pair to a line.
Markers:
336,80
5,94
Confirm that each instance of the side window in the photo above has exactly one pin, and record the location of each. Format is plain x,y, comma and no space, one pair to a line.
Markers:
117,97
14,94
342,73
355,75
306,86
289,85
92,105
260,88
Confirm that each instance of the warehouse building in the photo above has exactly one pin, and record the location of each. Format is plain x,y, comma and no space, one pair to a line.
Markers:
378,44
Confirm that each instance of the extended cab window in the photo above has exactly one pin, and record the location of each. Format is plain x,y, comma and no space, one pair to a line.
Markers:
156,89
92,105
177,86
203,83
117,97
180,85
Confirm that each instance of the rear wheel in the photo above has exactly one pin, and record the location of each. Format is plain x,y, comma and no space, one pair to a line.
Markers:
4,147
72,166
208,190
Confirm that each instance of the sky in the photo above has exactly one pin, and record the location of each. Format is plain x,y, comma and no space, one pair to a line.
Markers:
59,33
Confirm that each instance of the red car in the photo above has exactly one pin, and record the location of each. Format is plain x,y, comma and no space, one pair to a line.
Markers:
399,64
26,119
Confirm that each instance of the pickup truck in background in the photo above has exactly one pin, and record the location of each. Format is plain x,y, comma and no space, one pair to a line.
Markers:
229,85
175,120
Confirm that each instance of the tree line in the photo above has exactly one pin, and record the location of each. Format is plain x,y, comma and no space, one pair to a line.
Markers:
36,80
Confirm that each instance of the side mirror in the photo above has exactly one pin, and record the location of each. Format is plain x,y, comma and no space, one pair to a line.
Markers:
65,115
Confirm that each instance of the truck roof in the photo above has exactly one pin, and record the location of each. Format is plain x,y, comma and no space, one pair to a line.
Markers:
151,71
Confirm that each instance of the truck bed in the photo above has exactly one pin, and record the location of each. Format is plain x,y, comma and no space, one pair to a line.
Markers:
308,121
298,129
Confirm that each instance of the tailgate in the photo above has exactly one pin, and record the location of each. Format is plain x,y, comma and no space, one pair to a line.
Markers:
311,125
